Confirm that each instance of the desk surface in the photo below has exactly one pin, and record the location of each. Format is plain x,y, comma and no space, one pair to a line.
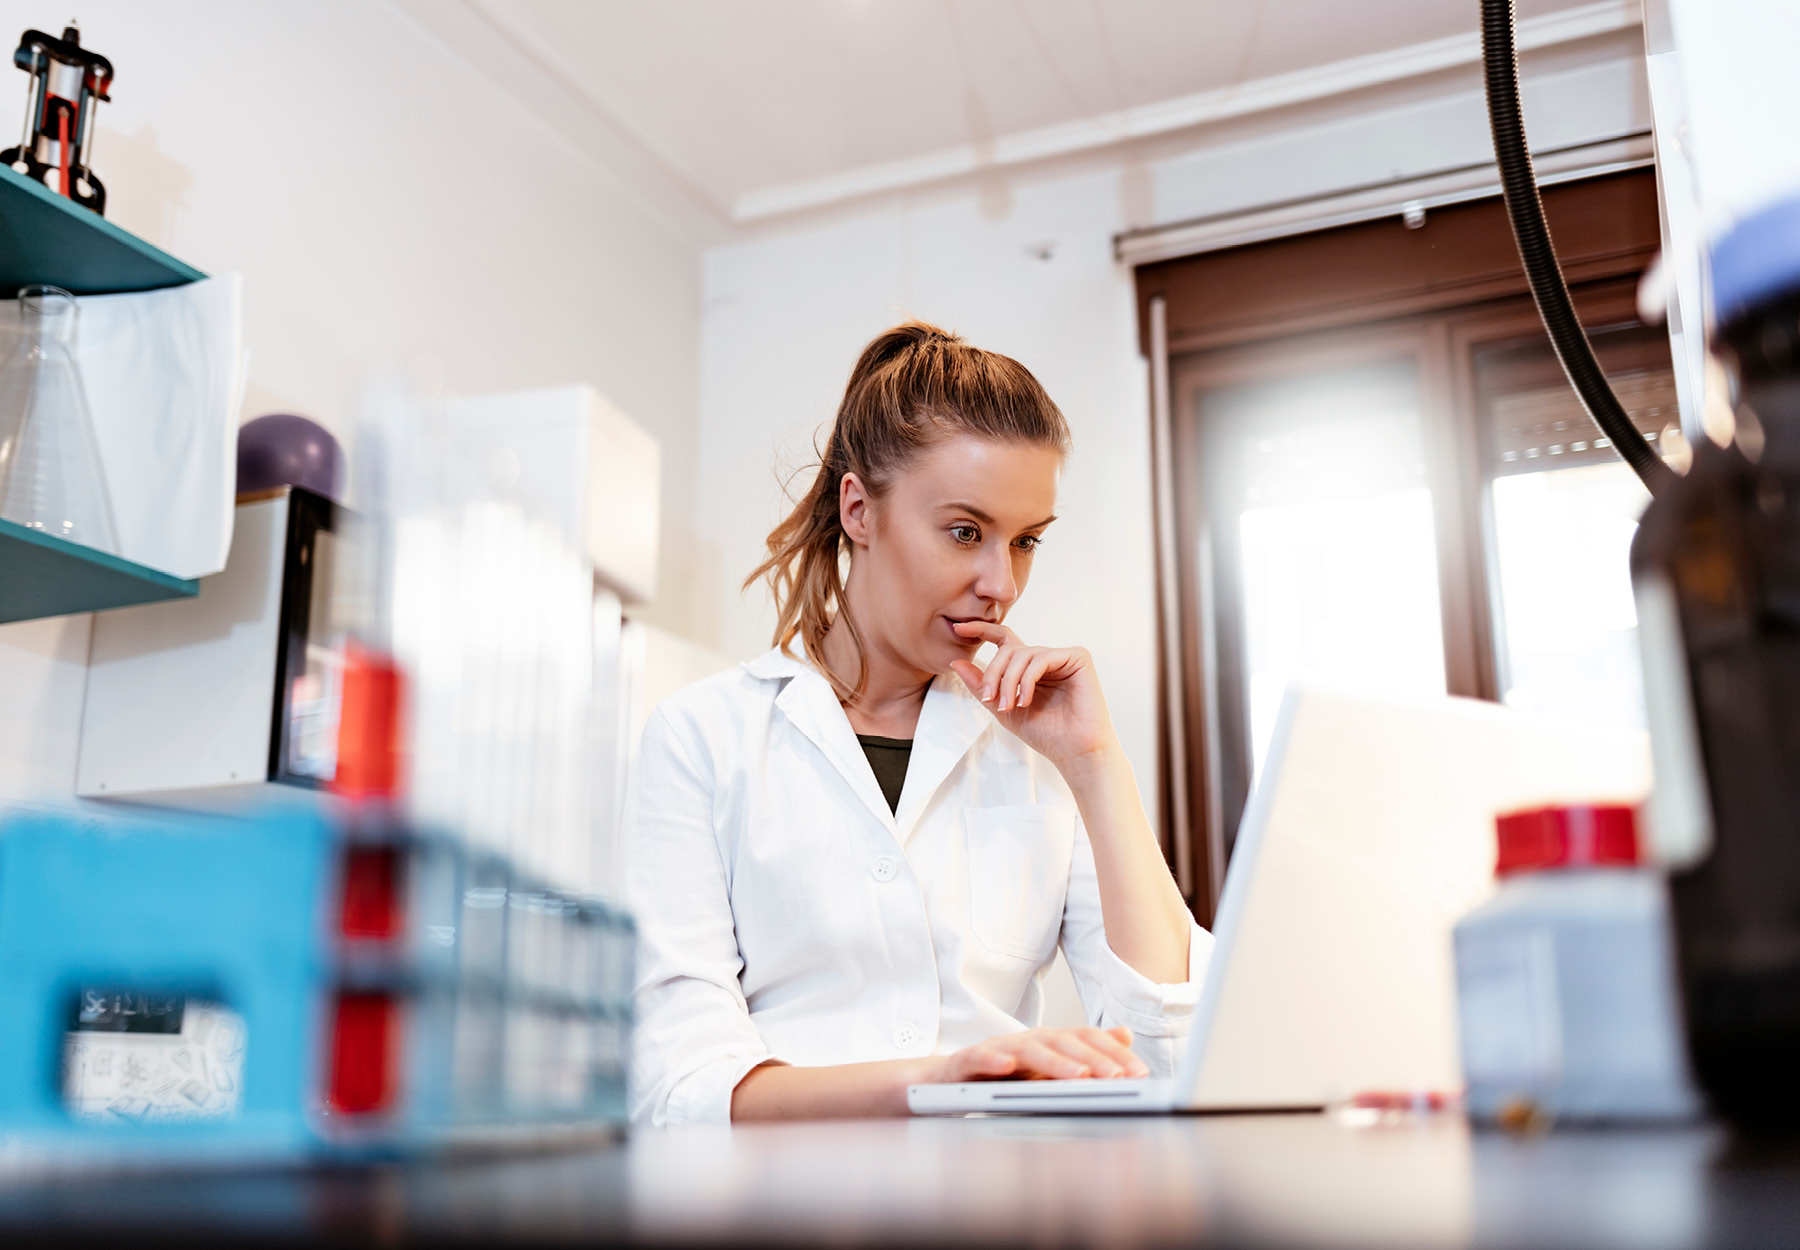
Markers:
1263,1180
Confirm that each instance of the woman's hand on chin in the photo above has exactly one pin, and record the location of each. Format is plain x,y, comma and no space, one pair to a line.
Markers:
1049,696
1045,1054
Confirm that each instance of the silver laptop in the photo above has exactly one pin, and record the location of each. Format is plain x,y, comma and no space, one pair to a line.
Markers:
1368,835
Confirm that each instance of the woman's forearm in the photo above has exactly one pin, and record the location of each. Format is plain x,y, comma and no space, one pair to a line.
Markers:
778,1092
1147,923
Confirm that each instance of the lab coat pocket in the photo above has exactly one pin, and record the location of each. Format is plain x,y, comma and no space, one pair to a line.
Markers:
1018,876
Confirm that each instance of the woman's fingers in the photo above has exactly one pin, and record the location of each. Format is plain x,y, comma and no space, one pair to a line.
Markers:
1034,673
1041,1058
1008,645
970,674
982,681
1117,1048
987,631
1006,688
1012,675
1030,667
975,1062
1102,1050
1077,1046
1011,678
995,673
1058,1054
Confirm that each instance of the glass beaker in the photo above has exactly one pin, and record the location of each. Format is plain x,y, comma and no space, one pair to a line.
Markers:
50,474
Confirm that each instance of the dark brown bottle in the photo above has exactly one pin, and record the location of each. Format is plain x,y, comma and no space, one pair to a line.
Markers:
1721,547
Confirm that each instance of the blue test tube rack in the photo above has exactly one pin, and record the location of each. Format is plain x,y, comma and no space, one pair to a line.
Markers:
395,992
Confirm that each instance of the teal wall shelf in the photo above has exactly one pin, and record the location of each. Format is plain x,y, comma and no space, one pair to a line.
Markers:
45,576
47,239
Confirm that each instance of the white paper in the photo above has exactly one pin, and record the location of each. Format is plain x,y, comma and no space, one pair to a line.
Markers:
164,376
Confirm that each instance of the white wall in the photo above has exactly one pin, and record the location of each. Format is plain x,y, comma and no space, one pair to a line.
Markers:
785,313
385,203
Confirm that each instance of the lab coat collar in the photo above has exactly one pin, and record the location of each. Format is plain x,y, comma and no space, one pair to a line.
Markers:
951,722
775,664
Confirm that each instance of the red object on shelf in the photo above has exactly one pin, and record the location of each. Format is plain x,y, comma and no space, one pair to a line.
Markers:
370,749
1572,836
372,906
365,1035
62,147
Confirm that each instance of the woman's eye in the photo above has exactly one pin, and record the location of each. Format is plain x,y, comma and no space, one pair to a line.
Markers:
965,534
1029,542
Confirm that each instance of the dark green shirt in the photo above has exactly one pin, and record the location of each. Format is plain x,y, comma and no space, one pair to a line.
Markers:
889,758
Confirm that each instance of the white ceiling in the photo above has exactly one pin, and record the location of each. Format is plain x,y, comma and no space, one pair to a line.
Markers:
761,105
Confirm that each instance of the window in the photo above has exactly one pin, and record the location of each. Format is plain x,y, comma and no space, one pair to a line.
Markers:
1567,625
1382,481
1562,511
1322,498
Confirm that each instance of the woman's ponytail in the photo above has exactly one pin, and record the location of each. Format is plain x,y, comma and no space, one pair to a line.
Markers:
804,569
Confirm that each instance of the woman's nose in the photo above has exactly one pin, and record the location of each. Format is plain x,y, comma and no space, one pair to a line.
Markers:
996,580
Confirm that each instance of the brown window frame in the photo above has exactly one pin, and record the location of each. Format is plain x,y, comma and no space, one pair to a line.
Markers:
1376,290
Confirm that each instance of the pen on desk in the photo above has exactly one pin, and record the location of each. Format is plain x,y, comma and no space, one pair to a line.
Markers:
1385,1106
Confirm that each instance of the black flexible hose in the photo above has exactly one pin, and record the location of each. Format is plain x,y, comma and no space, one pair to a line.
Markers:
1526,212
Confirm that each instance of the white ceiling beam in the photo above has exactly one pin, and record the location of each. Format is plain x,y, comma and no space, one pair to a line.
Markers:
1387,199
1186,113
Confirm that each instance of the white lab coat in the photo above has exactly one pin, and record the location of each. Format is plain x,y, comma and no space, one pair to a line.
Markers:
785,912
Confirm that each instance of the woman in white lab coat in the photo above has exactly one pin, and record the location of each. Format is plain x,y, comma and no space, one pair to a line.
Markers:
814,936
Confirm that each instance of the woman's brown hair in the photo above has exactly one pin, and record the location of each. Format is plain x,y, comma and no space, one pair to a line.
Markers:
913,385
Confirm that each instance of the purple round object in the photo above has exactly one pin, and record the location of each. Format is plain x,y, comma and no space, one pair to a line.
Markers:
282,449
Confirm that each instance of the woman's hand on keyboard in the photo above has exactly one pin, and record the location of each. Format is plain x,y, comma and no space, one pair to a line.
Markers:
775,1091
1045,1054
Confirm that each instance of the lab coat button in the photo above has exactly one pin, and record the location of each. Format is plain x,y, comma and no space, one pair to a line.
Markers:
886,869
906,1035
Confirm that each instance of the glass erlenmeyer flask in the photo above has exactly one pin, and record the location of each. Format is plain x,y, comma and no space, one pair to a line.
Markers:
50,474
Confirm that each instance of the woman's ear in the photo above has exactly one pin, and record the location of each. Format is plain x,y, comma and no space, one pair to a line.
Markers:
854,509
